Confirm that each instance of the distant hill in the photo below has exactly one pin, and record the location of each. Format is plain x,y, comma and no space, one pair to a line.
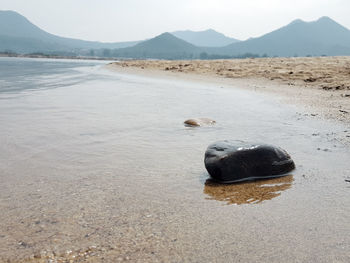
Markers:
164,46
207,38
299,38
19,35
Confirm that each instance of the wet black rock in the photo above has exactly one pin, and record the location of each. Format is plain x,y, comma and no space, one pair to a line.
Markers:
229,162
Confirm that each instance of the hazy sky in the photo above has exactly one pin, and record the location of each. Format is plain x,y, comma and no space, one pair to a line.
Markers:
121,20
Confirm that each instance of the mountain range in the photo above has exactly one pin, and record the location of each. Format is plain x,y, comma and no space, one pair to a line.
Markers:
299,38
19,35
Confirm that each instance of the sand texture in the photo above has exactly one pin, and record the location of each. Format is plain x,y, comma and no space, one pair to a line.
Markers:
102,168
321,83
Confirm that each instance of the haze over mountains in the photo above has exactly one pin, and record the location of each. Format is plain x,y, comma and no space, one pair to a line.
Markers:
164,46
299,38
317,38
206,38
19,35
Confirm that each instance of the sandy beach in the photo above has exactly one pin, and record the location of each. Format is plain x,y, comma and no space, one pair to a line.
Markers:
320,84
106,170
174,131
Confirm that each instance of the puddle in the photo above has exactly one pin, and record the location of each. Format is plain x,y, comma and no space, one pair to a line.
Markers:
249,192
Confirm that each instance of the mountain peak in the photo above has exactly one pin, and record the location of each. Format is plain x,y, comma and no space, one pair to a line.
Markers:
12,17
165,39
325,18
321,37
327,22
296,21
210,30
165,34
205,38
163,46
9,12
16,25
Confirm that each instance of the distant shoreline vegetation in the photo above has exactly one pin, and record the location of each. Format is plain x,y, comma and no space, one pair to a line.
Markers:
43,55
201,56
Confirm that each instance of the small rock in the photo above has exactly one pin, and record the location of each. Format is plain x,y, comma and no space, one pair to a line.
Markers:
199,122
310,79
23,244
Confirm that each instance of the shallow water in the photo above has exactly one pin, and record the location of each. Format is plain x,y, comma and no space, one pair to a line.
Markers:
96,164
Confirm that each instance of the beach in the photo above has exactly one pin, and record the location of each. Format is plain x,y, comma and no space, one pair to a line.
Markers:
97,165
320,84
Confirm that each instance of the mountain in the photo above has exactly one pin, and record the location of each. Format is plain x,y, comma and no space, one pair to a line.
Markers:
164,46
317,38
207,38
18,34
299,38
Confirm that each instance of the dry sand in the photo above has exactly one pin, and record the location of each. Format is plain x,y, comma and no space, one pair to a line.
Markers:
321,84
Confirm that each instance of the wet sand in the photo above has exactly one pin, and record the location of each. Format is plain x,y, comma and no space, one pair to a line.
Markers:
322,84
106,171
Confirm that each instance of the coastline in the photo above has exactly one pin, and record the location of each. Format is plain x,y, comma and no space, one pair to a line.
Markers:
14,55
106,171
320,85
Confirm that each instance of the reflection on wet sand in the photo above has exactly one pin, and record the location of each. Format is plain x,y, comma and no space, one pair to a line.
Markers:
249,192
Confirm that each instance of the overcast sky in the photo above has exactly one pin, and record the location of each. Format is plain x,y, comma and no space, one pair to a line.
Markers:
122,20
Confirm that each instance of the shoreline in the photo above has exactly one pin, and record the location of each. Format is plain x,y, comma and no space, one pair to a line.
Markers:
321,87
107,171
43,56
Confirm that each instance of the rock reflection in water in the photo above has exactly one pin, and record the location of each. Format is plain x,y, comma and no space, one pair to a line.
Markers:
248,192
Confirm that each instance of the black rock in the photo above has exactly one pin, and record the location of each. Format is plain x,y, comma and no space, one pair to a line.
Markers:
229,162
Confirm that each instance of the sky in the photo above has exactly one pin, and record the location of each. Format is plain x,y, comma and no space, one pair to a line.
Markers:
126,20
